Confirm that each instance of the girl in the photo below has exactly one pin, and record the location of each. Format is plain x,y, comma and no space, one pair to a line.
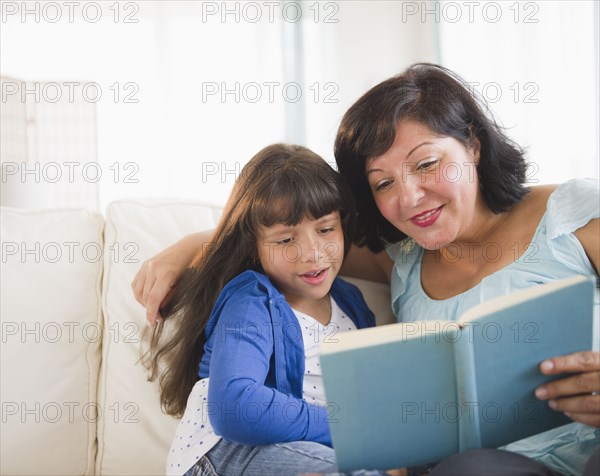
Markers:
269,278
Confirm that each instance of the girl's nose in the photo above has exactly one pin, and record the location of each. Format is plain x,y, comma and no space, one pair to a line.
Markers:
311,250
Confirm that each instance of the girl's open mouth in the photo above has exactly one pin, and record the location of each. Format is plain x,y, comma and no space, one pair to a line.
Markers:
315,277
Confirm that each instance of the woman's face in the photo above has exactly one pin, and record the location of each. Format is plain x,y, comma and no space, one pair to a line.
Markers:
427,186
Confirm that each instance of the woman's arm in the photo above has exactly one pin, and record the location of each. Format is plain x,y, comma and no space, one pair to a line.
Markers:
578,396
364,264
589,237
153,284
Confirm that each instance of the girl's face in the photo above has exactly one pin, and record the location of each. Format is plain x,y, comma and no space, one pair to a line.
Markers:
427,186
303,260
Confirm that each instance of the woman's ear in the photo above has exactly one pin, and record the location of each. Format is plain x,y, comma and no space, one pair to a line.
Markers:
474,146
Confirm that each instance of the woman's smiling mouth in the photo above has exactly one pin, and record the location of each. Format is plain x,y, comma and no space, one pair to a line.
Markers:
427,218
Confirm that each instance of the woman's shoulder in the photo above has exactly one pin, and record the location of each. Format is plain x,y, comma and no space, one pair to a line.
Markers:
565,207
572,190
571,205
536,201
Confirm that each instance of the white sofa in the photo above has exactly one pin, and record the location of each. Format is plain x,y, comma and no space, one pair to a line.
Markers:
74,398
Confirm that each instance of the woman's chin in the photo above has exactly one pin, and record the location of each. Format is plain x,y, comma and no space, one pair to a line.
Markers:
432,243
433,246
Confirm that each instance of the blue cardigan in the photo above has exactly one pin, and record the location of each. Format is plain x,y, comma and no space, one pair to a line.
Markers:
254,356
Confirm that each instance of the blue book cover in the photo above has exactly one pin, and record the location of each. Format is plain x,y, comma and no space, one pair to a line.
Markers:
413,393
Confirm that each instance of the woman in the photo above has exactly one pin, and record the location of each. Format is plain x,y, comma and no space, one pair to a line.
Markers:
441,189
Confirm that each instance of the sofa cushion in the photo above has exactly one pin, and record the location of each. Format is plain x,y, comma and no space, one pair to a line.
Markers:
134,436
51,338
377,296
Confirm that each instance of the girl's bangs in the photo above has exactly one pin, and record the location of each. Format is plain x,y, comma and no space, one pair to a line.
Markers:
292,199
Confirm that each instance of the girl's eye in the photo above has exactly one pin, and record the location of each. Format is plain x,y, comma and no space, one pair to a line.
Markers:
326,230
428,164
285,241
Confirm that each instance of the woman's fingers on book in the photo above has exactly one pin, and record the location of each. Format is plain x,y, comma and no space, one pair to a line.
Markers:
586,419
397,472
576,362
581,408
590,419
580,384
581,404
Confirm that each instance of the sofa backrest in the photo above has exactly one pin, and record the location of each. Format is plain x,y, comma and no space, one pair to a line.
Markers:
135,435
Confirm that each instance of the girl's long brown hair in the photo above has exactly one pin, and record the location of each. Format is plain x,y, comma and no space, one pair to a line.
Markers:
281,184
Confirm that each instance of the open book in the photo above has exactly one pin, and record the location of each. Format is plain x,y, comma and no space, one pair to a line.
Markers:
413,393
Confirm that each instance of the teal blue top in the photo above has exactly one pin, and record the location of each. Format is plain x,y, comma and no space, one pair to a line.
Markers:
555,253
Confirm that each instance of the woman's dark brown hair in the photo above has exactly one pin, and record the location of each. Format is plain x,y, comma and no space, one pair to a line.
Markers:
442,101
281,184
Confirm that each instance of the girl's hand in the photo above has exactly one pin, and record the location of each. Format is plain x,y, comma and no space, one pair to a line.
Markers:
577,396
154,283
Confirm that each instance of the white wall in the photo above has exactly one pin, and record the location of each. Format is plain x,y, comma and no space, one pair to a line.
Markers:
535,63
187,144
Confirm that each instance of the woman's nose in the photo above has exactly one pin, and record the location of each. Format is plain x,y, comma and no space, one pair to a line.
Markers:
410,191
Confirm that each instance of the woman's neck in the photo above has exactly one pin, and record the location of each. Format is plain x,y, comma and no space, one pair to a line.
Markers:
485,230
497,241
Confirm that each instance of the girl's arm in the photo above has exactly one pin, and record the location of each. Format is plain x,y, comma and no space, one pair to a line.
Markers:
153,284
241,407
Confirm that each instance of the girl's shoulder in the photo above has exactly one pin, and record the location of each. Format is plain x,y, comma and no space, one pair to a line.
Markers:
249,283
351,300
243,299
249,287
342,290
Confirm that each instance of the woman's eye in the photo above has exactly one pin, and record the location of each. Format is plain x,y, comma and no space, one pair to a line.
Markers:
382,185
428,165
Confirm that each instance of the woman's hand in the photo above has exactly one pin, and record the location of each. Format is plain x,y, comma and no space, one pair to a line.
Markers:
154,283
577,396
